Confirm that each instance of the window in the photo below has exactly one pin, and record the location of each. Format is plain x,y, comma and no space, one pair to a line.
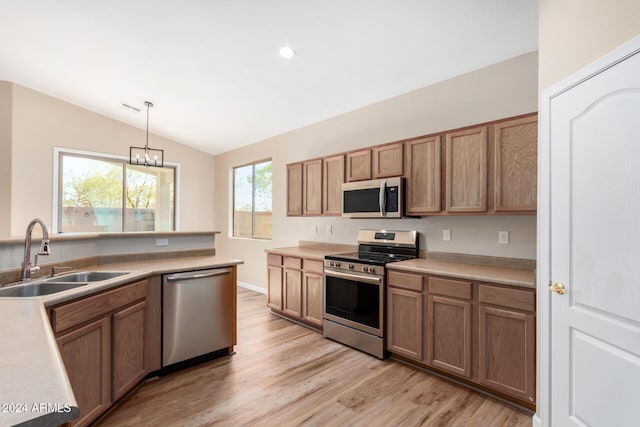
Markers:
102,194
252,200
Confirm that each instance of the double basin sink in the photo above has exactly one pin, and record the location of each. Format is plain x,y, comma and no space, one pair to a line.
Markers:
57,284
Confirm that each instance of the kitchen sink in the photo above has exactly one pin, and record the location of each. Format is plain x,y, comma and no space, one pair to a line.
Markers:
37,289
86,277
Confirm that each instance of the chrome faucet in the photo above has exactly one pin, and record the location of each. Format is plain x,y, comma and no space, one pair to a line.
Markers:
27,269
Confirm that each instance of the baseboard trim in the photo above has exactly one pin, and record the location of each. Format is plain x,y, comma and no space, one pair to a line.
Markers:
251,287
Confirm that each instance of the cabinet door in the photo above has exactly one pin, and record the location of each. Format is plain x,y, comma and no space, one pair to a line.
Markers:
86,353
358,165
333,178
387,160
312,191
274,287
423,176
292,303
313,298
466,187
404,322
128,329
506,352
516,161
294,189
449,334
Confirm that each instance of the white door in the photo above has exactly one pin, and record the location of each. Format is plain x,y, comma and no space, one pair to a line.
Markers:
594,226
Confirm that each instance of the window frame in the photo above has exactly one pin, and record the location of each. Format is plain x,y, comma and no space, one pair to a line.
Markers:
253,197
56,208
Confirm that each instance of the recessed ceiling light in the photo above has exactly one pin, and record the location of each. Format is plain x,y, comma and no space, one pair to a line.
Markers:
287,53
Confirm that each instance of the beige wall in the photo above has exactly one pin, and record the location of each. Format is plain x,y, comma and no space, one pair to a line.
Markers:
502,90
41,122
5,158
574,33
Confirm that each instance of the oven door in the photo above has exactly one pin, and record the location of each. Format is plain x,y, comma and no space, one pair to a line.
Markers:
355,300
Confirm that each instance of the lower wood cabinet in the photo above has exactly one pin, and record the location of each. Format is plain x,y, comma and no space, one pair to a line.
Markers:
295,288
449,325
483,333
86,354
102,343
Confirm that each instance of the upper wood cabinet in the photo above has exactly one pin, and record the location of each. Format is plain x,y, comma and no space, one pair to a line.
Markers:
332,178
359,165
294,189
388,160
423,175
466,170
515,167
312,187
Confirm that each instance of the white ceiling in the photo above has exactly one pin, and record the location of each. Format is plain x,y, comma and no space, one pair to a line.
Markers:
212,67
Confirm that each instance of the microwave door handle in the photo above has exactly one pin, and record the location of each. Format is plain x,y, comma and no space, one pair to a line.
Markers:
382,198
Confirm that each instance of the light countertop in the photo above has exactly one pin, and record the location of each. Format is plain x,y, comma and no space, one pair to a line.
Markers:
32,373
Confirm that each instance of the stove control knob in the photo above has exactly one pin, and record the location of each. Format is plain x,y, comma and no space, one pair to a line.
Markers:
365,268
337,263
372,270
350,266
331,264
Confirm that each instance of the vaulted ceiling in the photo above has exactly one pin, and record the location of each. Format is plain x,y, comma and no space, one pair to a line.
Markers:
212,68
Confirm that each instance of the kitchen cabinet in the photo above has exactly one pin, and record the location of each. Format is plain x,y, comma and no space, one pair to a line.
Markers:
466,170
515,164
274,281
448,332
480,332
295,288
423,175
405,301
313,292
292,287
312,187
86,354
388,160
102,343
332,180
294,189
358,165
506,344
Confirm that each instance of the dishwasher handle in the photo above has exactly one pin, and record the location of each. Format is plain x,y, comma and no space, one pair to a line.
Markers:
198,274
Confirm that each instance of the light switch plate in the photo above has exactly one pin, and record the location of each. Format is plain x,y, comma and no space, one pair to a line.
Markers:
446,235
329,230
162,242
314,229
503,237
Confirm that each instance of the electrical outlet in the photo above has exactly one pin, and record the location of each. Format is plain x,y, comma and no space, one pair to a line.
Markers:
162,242
503,237
446,235
329,230
314,229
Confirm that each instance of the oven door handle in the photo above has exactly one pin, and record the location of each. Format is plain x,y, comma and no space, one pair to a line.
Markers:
373,280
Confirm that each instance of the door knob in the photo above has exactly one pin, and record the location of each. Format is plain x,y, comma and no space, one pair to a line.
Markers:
558,288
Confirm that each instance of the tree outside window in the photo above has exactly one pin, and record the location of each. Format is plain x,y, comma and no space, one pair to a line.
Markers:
108,195
252,200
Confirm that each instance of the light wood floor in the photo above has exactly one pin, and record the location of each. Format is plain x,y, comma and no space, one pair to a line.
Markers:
284,374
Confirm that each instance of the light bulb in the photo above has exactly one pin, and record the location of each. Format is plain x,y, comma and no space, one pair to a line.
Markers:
287,52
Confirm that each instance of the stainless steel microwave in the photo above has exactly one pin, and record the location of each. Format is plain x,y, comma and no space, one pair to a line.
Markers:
377,198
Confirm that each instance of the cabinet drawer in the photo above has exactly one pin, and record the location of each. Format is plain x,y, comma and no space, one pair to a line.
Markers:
85,309
519,299
450,288
314,266
273,259
292,262
405,280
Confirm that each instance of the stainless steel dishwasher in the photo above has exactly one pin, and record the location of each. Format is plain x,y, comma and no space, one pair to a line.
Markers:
197,318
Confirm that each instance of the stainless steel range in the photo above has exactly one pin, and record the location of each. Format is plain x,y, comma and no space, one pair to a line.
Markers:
355,288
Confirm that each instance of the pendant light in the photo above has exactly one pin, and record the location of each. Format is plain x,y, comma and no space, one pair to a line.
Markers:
146,156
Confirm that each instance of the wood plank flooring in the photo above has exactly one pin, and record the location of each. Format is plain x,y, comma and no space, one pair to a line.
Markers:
284,374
